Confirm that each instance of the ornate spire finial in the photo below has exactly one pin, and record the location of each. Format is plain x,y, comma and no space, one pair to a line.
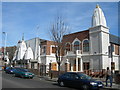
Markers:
29,44
97,6
23,37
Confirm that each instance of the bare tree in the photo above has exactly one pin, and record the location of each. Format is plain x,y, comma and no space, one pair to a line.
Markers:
57,31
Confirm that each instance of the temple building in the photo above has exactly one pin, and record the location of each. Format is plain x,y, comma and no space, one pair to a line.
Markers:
93,49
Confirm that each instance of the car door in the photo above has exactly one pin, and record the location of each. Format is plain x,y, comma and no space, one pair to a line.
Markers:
66,79
71,80
75,81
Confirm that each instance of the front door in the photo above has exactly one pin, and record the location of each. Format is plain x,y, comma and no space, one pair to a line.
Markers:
54,66
74,65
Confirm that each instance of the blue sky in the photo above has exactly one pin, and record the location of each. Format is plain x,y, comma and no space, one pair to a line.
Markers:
24,17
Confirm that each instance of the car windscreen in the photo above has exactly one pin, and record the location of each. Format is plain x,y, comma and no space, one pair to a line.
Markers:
9,68
84,76
23,70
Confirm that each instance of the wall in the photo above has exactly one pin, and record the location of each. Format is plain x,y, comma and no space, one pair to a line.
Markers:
116,60
34,44
105,42
106,62
95,61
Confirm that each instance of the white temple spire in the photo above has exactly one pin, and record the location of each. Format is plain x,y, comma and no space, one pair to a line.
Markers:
98,17
23,37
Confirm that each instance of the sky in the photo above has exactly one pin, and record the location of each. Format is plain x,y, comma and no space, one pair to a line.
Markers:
26,17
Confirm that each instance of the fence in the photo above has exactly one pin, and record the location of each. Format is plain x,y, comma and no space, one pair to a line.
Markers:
95,73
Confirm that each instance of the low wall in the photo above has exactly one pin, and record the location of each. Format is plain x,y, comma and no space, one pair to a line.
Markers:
35,71
117,78
54,74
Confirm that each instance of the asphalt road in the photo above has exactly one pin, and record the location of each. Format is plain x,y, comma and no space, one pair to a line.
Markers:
9,81
16,83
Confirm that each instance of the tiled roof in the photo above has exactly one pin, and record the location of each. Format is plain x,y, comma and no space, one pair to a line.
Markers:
114,39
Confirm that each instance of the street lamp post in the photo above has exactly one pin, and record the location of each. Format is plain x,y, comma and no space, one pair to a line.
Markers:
4,38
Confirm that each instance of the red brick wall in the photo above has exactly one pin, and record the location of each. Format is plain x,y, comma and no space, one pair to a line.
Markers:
48,46
80,35
71,37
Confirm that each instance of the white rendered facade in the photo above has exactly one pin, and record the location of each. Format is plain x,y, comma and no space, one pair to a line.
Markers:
98,57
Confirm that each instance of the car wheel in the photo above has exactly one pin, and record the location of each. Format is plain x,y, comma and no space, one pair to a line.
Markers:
15,75
21,76
61,83
31,77
85,87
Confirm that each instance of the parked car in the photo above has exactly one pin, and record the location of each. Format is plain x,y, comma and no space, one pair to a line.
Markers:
23,73
79,80
9,70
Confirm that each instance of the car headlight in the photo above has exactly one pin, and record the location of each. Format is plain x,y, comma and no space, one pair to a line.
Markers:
26,73
93,83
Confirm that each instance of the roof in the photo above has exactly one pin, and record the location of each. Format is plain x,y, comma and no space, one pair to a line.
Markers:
81,35
77,32
114,39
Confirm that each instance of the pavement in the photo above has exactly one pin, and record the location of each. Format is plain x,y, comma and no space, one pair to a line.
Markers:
114,86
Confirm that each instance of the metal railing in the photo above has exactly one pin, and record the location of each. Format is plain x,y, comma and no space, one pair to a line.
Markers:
77,52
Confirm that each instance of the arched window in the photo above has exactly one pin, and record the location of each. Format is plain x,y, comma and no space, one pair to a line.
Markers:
67,46
76,45
86,46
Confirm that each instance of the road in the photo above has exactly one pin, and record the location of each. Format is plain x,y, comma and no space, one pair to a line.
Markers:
9,81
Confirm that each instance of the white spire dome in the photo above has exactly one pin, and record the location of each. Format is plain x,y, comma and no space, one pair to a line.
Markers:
98,17
29,53
21,51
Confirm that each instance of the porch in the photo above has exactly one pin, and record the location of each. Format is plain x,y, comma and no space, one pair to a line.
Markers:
75,64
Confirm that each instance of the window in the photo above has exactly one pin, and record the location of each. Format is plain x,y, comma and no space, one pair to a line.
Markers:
66,75
32,65
84,76
73,76
76,46
43,49
53,49
67,47
86,65
112,65
86,46
116,49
